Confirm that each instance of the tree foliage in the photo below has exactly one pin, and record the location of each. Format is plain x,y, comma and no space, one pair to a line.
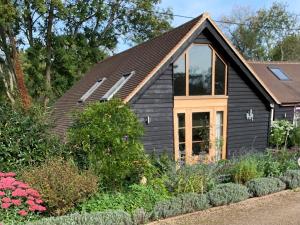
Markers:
60,40
25,138
257,34
105,137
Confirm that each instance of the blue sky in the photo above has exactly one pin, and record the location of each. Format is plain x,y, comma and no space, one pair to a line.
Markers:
216,9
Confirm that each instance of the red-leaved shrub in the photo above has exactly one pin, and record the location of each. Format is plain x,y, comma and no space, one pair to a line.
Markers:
18,197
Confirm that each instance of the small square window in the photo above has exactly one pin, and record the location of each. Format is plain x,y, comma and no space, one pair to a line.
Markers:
279,73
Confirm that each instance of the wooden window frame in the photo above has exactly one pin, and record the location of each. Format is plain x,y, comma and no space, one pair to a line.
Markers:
189,106
213,65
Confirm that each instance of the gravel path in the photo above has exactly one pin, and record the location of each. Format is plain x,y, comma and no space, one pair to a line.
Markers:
278,209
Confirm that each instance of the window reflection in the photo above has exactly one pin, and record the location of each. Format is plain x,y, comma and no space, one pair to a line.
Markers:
179,76
200,70
220,71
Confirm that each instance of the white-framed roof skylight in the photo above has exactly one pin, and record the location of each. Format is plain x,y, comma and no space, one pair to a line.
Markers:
91,90
279,73
117,86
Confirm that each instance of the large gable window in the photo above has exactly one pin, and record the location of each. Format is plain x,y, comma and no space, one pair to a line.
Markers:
200,71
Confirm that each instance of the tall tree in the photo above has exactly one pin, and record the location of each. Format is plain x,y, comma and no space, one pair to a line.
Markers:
11,71
62,39
288,49
255,34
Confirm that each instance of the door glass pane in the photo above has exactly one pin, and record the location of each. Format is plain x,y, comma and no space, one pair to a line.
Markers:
219,134
179,76
220,77
200,133
200,70
181,137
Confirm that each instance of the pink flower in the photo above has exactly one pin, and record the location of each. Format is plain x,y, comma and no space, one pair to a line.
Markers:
37,208
10,174
23,213
5,205
16,202
39,201
30,202
2,194
33,193
6,200
19,193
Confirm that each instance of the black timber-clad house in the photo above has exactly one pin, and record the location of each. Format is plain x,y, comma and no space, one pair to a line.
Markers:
195,94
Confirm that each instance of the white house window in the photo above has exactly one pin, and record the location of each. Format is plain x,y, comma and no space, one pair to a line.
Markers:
297,117
117,86
92,89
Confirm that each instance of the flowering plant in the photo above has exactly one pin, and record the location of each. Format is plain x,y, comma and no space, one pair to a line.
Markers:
17,199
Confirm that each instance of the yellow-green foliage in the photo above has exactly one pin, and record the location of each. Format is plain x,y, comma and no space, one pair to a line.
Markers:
61,184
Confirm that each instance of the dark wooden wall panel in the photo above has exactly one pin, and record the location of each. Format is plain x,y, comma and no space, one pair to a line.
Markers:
156,101
244,135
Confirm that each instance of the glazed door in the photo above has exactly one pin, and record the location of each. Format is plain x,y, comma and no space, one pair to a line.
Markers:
200,134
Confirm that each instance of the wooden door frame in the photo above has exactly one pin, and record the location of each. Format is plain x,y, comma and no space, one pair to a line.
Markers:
190,105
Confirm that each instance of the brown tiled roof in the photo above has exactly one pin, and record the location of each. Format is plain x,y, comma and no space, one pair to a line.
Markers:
142,59
286,92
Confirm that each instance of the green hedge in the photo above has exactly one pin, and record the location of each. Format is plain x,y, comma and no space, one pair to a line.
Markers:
264,186
224,194
185,203
291,178
100,218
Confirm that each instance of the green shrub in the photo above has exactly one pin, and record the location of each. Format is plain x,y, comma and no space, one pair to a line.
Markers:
138,196
105,137
295,138
198,178
185,203
264,186
245,169
140,216
291,178
224,194
275,163
99,218
281,131
61,184
25,138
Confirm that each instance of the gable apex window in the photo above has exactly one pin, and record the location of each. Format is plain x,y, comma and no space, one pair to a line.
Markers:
278,73
199,71
92,89
117,86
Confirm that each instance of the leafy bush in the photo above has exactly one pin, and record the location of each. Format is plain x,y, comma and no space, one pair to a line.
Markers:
184,203
224,194
140,216
107,135
198,178
280,132
291,178
61,184
264,186
138,196
295,137
275,163
25,138
99,218
245,169
19,202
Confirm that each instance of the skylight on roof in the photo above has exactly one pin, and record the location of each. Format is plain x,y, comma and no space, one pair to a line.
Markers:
279,73
117,86
91,90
